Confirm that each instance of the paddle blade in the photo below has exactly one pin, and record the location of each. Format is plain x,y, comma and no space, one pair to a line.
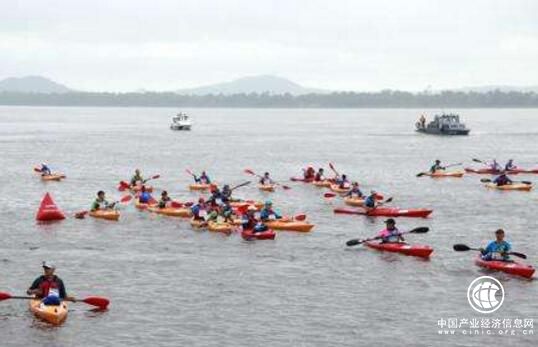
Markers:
126,198
485,180
300,217
36,169
331,166
461,247
353,242
286,187
4,296
526,182
189,172
419,230
155,177
388,200
421,174
519,255
97,301
329,195
176,204
249,172
81,214
189,204
477,160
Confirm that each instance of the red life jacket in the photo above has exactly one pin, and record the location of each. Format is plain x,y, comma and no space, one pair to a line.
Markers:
47,284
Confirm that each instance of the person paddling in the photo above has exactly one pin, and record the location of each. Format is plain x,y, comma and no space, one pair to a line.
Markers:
354,191
266,179
145,196
437,167
165,199
320,176
510,165
502,180
371,201
250,222
494,166
497,249
391,234
137,178
101,203
267,212
199,211
309,173
342,182
49,287
203,179
45,170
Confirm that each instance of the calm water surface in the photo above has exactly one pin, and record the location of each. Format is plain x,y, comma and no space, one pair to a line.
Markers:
171,286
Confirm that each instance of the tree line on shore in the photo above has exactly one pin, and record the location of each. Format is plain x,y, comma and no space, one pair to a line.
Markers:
382,99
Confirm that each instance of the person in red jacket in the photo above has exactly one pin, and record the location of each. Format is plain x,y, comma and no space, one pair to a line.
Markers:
49,287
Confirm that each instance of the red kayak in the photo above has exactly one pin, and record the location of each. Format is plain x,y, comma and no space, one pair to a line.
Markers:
403,248
264,235
48,211
302,179
387,212
488,171
510,267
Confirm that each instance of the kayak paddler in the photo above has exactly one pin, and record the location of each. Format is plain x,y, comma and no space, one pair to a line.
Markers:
250,222
371,201
494,166
319,175
49,287
502,180
510,165
137,177
436,167
45,170
497,249
266,179
226,211
355,190
342,181
267,212
145,196
100,202
216,197
165,199
391,234
309,173
203,179
199,211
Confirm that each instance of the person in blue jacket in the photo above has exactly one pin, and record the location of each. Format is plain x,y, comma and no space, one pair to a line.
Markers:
203,179
144,197
355,190
502,180
267,212
497,249
45,170
371,201
510,165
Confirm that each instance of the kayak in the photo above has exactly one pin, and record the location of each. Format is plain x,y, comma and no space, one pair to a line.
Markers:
53,177
51,314
488,171
322,184
48,210
440,174
140,205
359,202
289,225
106,214
264,235
197,224
266,187
171,211
387,212
336,188
201,186
510,267
513,186
403,248
301,179
239,204
219,227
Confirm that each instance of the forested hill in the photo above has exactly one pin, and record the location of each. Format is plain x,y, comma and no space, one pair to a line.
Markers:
383,99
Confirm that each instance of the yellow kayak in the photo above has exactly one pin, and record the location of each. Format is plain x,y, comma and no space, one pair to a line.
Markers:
513,186
197,224
354,201
226,228
266,187
53,177
324,183
106,214
201,186
289,225
51,314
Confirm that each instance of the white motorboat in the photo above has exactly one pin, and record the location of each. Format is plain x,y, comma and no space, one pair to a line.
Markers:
181,122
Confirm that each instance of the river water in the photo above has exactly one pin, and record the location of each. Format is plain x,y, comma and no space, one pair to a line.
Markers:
172,286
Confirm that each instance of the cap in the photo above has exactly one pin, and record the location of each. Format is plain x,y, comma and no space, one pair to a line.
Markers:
373,192
268,202
48,265
390,221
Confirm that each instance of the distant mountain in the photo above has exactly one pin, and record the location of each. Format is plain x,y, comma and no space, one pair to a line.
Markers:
32,84
253,84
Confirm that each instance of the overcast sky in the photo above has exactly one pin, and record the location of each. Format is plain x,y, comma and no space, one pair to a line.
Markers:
123,45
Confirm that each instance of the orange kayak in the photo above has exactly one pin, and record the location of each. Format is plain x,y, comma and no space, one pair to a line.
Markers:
51,314
266,187
321,184
219,227
197,224
171,211
513,186
201,186
237,204
289,225
440,174
336,188
53,177
106,214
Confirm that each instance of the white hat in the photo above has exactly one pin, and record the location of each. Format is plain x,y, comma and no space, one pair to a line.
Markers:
49,265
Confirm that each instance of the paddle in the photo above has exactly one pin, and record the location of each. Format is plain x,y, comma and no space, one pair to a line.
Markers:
250,172
123,200
241,185
123,186
419,230
487,180
420,174
329,195
300,217
462,248
333,169
97,301
154,177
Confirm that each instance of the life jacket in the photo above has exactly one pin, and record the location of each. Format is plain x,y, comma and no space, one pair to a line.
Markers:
370,201
49,286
